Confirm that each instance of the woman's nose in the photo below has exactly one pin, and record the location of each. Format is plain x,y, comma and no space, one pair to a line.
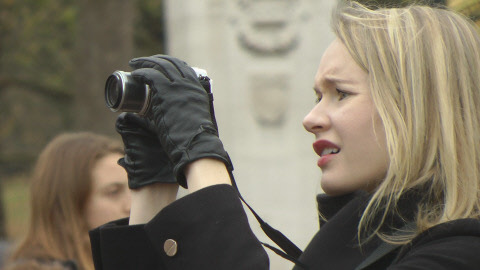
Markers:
316,120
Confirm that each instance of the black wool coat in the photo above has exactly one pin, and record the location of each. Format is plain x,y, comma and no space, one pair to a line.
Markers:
209,229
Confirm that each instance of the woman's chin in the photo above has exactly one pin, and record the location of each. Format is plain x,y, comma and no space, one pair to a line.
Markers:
334,189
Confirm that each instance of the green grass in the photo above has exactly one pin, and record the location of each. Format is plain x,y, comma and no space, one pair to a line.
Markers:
16,206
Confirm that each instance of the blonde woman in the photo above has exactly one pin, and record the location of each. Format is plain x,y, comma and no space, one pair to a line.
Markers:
76,186
397,132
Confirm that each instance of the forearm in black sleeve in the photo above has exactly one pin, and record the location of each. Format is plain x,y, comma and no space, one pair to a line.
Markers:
207,229
116,245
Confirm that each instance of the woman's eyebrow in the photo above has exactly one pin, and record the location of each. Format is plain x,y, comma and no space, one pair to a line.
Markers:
328,80
114,185
335,79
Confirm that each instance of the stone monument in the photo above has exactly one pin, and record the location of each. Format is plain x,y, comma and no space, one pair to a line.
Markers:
262,56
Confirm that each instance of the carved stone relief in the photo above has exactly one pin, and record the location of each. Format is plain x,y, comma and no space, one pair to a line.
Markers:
268,26
269,98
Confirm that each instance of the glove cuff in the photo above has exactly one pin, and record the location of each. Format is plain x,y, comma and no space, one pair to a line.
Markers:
205,146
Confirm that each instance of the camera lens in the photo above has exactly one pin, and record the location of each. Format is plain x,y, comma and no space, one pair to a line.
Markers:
124,93
113,91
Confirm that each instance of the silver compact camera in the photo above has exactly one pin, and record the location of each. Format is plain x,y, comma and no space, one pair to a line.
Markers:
125,94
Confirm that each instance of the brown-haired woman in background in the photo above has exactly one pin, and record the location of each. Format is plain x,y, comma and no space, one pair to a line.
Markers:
76,185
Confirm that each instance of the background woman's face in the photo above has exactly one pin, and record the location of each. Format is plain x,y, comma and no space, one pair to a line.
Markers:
110,197
350,137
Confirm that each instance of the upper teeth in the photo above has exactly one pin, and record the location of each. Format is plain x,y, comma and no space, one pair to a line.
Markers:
328,151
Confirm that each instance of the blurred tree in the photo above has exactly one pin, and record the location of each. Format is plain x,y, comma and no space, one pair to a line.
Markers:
149,33
110,32
104,42
35,72
54,58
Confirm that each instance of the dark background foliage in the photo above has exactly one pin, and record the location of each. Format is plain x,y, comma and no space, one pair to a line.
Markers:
54,58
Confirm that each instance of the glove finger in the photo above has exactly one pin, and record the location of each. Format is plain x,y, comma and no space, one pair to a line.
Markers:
157,168
153,77
153,58
122,163
153,63
121,123
169,65
157,59
182,67
158,81
130,121
137,62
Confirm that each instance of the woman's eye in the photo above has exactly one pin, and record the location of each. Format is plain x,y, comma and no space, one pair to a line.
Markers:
342,94
319,97
112,192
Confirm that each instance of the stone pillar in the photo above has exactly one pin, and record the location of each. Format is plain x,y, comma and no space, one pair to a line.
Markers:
262,56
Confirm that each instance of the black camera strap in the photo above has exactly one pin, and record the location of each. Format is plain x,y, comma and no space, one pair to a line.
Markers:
288,250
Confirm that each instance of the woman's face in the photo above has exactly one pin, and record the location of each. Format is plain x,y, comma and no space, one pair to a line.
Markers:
349,134
110,196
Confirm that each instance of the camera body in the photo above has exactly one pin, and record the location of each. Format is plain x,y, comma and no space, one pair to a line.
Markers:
125,94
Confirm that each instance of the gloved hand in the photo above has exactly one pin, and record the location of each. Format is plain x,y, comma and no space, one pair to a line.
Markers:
145,160
180,108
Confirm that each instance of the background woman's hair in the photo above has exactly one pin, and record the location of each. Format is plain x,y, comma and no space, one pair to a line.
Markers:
60,185
423,65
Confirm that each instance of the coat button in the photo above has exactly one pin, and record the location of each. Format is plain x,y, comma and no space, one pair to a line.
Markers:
170,247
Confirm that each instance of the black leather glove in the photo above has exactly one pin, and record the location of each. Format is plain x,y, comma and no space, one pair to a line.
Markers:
145,161
181,112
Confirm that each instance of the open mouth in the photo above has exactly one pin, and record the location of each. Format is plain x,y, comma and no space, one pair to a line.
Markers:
329,151
324,148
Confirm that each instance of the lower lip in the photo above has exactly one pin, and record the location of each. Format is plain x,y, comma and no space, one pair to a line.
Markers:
324,160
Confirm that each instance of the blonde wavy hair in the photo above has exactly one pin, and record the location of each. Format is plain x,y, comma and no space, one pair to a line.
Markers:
423,65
